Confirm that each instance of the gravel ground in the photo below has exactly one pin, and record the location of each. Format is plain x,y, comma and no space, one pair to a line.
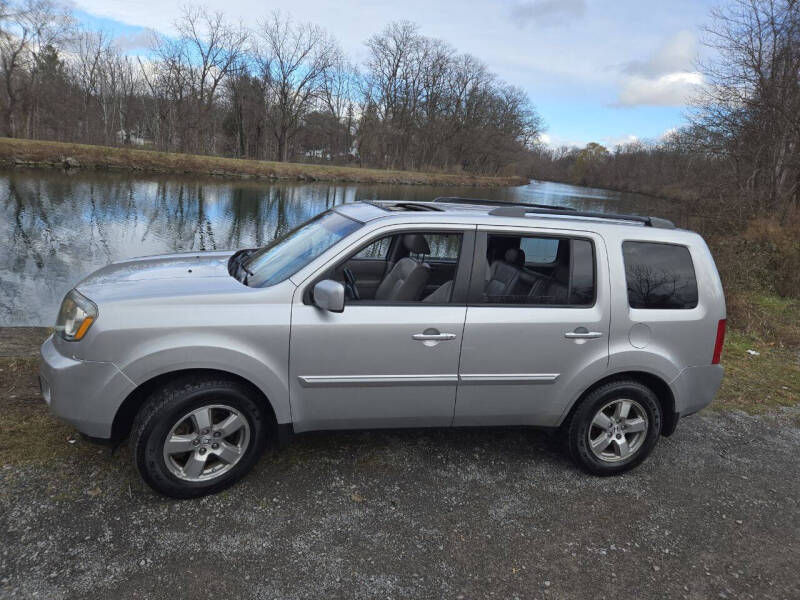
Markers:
714,513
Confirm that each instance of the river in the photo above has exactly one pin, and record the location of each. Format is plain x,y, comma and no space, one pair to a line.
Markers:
57,227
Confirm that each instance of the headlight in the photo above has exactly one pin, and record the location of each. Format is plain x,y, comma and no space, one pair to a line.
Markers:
76,316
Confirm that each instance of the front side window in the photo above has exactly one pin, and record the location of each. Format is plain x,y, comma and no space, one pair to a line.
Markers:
443,246
377,250
659,275
287,255
539,271
408,267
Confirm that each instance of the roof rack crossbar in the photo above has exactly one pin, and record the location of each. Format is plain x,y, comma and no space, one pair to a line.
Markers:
481,202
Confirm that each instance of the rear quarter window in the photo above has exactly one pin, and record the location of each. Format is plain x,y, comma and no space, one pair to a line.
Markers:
659,275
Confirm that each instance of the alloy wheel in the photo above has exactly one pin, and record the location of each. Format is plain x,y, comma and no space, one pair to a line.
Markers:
206,442
618,430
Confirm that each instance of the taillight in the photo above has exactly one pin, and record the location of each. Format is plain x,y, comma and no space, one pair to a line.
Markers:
720,341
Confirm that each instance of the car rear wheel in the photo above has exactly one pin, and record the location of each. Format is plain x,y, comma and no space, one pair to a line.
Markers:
615,427
197,436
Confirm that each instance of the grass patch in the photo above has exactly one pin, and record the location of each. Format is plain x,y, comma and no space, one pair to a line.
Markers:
58,154
756,384
767,318
28,432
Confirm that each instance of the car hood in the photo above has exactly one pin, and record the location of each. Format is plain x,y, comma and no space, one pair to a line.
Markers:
171,278
192,265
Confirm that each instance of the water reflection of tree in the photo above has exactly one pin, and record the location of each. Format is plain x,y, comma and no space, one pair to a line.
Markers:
60,228
97,222
20,230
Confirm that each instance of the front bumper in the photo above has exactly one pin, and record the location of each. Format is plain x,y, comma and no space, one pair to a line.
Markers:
695,388
86,394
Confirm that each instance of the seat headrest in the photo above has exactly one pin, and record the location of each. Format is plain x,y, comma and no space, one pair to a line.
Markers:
416,243
515,256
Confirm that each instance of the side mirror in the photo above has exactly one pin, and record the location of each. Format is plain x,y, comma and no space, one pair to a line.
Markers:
329,295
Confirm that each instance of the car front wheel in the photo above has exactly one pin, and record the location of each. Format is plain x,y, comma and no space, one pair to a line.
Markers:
615,427
197,436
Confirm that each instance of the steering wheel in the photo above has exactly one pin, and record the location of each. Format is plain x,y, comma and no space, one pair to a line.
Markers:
351,283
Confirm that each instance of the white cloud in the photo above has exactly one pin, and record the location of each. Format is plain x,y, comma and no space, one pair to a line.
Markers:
555,141
672,89
614,141
128,42
665,78
677,53
668,134
547,12
610,142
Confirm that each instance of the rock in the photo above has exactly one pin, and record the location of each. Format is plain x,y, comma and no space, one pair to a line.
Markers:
71,163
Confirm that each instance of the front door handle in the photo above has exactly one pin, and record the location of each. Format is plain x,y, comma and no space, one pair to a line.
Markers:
581,333
436,337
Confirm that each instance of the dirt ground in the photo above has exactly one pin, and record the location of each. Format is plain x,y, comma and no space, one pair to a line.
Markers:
713,513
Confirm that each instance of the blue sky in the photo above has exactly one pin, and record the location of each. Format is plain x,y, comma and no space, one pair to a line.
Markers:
606,71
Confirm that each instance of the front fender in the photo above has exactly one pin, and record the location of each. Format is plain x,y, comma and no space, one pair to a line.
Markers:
267,370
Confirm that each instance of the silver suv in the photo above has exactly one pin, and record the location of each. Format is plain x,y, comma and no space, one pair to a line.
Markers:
455,312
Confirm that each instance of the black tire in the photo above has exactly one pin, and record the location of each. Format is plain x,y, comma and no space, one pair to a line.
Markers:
165,408
580,427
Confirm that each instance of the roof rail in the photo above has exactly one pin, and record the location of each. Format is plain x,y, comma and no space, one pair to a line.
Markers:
514,210
520,209
481,202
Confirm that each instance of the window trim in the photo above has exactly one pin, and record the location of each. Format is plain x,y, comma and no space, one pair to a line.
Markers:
478,270
662,243
461,279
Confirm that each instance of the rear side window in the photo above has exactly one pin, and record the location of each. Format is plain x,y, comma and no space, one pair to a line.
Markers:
538,271
659,275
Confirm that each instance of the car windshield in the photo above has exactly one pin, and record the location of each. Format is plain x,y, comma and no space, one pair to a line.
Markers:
288,254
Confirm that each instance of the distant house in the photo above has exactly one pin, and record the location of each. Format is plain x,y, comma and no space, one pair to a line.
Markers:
125,137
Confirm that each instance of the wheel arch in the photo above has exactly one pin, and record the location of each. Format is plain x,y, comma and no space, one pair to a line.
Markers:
127,411
659,386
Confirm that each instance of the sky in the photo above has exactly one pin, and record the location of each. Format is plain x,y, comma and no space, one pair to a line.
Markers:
608,71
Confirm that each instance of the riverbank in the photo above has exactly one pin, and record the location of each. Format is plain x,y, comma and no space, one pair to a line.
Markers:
34,153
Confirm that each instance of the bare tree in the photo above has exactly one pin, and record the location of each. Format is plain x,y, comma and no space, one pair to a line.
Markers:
191,69
750,113
294,59
92,49
27,29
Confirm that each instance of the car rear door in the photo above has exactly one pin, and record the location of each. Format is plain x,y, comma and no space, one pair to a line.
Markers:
524,360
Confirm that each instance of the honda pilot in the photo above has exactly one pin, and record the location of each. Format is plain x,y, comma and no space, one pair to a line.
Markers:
387,314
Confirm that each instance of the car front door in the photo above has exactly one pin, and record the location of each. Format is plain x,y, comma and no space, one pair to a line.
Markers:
528,350
379,363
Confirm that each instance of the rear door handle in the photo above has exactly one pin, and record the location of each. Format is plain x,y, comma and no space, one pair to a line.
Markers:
581,333
438,337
